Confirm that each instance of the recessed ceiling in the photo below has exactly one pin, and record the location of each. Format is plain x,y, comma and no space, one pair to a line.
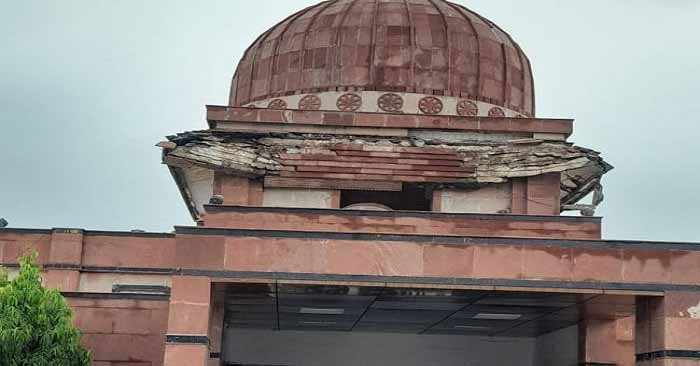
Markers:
401,310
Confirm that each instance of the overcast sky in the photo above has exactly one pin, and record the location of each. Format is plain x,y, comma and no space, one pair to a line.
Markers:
88,87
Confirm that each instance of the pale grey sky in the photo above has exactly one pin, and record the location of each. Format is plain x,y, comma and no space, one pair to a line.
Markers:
88,87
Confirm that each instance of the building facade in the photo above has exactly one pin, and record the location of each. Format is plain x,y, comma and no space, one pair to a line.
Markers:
379,190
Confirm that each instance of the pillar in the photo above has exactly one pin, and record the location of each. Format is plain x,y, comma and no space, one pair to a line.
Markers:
518,205
668,330
436,202
187,340
543,194
607,342
216,323
238,191
607,331
537,195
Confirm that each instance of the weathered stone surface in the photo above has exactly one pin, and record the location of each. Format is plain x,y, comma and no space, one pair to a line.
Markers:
432,47
397,159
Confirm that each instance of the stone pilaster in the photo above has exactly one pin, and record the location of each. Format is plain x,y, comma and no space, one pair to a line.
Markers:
607,341
187,340
668,330
216,323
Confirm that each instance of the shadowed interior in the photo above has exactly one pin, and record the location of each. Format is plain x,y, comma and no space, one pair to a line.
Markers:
401,310
290,324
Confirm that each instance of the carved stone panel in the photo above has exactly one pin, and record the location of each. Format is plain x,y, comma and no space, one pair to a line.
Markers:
390,102
430,105
310,103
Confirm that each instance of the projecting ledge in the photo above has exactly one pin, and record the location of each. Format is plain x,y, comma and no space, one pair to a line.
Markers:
218,116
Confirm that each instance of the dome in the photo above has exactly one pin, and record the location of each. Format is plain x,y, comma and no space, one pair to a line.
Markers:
410,56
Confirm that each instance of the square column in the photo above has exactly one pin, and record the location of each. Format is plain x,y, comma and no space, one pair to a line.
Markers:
607,332
216,323
543,194
187,340
607,342
538,195
668,330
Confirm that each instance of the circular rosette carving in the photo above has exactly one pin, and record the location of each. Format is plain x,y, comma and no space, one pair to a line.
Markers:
277,104
349,102
310,103
390,102
430,105
467,108
496,112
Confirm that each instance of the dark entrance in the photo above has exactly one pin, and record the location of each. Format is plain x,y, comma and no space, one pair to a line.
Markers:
268,324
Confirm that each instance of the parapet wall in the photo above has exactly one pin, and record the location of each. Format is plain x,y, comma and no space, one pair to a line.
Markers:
393,222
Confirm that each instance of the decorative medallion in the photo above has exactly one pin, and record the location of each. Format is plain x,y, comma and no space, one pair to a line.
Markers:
277,104
390,102
349,102
467,108
496,112
430,105
310,103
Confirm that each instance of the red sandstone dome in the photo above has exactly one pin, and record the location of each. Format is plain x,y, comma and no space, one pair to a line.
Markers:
431,47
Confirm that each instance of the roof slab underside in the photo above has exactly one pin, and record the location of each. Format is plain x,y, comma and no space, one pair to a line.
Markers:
348,307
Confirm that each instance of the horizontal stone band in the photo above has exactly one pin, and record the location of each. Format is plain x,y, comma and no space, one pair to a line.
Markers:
438,239
186,339
668,354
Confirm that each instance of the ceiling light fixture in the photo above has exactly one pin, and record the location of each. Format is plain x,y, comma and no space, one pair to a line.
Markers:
471,327
322,311
497,316
321,323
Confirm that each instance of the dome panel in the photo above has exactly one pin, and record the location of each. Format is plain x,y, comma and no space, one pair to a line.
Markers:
431,47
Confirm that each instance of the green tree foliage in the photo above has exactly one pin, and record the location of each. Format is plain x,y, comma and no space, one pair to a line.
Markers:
3,278
36,323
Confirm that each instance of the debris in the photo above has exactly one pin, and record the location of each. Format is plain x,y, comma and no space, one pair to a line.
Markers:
216,199
166,145
320,156
586,210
